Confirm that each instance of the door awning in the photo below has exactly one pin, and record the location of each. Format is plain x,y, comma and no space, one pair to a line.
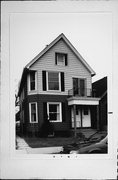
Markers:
83,101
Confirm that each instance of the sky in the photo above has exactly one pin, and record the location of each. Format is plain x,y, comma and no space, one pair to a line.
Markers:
90,34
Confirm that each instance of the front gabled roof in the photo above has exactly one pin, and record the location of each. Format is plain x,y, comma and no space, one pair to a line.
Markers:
61,36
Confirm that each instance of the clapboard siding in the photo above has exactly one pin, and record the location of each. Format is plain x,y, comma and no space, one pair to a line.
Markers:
74,68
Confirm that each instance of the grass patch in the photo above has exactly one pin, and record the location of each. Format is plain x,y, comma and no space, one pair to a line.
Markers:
50,142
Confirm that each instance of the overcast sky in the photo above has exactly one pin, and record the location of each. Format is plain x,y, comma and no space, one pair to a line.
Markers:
90,34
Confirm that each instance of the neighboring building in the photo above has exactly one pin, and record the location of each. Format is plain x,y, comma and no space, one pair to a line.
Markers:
57,84
100,89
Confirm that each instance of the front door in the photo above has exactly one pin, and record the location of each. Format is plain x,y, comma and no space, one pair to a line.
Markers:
78,117
78,87
86,117
83,117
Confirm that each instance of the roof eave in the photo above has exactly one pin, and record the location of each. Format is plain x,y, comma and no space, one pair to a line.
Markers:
25,70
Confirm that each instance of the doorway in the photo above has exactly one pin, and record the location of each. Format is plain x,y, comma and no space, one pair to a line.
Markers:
79,87
83,116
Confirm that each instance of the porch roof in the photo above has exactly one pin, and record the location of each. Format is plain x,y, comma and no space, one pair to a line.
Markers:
83,101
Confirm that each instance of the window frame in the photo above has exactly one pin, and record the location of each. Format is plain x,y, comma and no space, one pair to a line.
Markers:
64,57
59,76
35,81
79,88
30,113
60,110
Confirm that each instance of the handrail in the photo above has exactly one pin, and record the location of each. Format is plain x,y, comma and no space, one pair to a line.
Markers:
81,92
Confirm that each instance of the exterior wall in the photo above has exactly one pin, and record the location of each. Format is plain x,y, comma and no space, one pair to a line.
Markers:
103,113
40,99
23,107
100,88
74,68
93,116
63,126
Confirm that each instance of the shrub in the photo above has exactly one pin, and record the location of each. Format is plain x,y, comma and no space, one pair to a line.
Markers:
47,128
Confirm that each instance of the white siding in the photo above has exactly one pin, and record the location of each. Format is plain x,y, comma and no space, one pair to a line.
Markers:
74,68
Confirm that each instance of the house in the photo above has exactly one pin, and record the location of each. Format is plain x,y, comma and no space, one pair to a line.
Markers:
100,89
57,85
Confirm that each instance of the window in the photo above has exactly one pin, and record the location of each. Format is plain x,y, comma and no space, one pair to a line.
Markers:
33,112
54,112
53,81
61,59
32,81
79,87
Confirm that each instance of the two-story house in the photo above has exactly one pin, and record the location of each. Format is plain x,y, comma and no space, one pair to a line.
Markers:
57,84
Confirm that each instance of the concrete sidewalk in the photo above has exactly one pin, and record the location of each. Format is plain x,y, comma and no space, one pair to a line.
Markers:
46,150
23,148
21,143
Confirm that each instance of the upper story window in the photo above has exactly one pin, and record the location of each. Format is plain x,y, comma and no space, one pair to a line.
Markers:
32,84
61,59
53,81
79,87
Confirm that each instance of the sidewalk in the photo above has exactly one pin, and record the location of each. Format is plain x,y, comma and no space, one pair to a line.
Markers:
23,147
21,144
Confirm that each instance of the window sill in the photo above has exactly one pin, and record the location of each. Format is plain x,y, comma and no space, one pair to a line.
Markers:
55,121
63,65
55,91
33,122
32,92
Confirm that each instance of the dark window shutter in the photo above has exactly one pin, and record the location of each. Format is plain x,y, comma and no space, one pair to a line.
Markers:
66,60
62,82
63,112
45,116
56,58
44,80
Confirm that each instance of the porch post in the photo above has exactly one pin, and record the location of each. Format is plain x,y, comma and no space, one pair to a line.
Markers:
98,117
74,111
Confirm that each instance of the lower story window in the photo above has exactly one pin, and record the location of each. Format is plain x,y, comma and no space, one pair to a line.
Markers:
54,111
33,112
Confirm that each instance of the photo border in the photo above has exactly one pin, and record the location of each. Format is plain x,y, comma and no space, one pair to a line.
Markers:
9,155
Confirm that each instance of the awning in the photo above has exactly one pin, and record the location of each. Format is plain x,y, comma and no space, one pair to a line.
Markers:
83,101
